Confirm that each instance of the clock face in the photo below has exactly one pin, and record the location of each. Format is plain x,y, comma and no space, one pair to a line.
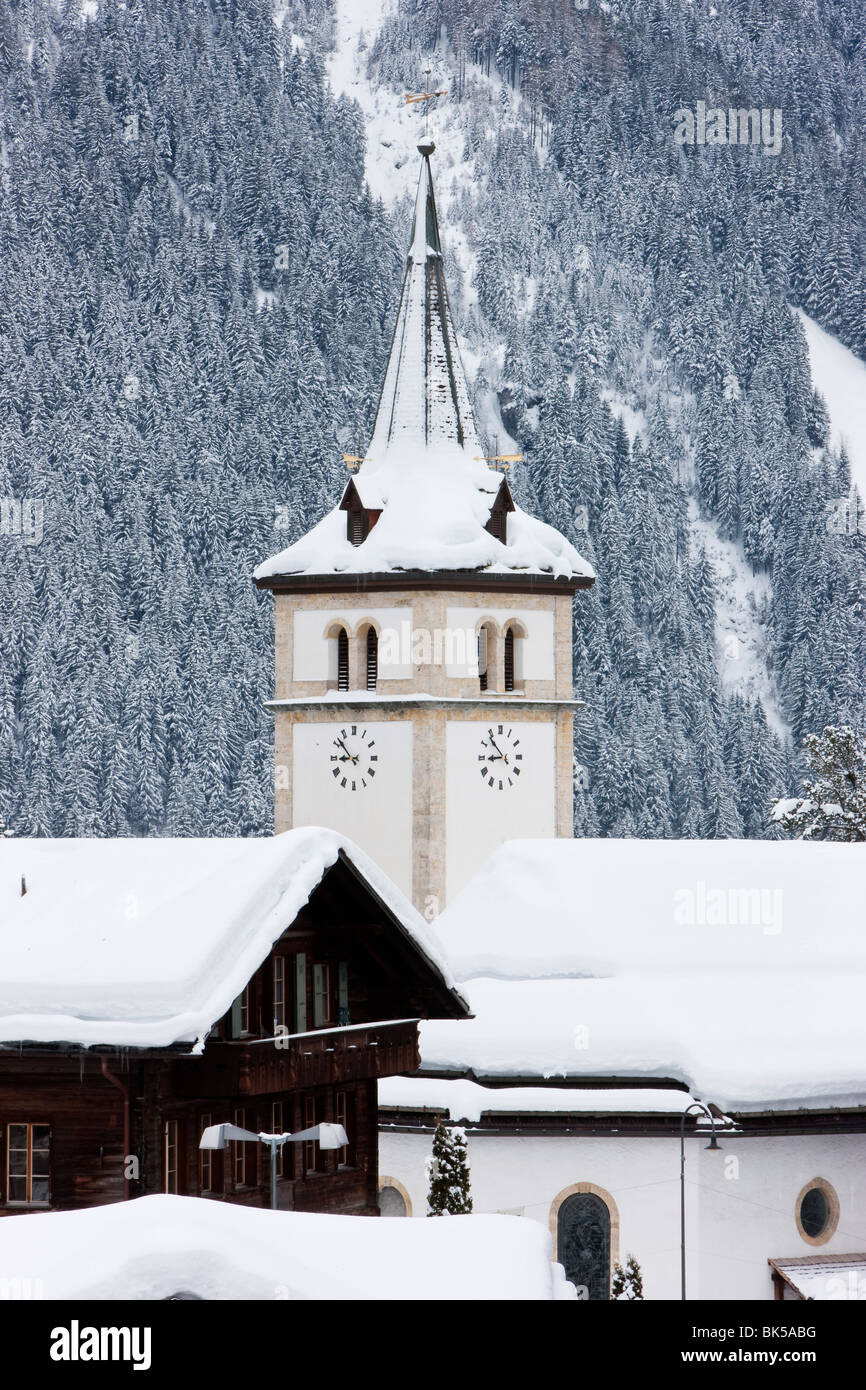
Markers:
501,757
354,756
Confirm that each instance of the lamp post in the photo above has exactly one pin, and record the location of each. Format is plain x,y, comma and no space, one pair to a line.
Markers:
713,1145
327,1136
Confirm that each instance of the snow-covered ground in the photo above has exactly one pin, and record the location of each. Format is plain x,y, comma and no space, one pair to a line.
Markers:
841,379
157,1247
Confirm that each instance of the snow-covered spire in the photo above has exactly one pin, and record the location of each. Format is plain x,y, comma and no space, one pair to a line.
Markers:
424,397
425,499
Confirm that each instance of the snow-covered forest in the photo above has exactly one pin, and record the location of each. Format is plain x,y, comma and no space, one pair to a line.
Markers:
197,294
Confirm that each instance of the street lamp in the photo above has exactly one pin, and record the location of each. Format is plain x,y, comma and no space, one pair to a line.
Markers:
713,1146
328,1136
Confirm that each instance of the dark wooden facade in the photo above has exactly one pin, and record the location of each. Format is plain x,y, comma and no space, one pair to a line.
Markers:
333,1007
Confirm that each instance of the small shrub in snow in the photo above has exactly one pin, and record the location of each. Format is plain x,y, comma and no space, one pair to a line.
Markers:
627,1283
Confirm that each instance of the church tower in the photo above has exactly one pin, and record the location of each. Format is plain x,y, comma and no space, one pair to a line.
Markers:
423,701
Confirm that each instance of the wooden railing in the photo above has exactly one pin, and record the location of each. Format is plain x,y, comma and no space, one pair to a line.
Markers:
259,1066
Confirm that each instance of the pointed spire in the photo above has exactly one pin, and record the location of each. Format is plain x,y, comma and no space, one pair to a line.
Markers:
424,397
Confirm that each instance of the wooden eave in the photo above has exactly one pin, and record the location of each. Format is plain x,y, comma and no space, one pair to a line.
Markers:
467,581
419,969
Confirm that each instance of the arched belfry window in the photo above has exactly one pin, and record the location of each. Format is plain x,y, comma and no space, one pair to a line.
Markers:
583,1244
509,659
342,659
484,654
372,658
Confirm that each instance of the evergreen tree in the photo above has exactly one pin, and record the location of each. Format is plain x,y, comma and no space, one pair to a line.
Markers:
627,1284
833,804
448,1173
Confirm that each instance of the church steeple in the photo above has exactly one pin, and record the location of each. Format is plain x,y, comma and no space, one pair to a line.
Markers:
425,499
423,698
424,397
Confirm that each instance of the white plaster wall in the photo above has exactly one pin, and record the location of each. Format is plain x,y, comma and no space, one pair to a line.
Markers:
535,651
479,817
312,651
379,816
733,1223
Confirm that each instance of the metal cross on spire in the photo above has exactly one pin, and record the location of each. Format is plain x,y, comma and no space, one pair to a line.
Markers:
426,97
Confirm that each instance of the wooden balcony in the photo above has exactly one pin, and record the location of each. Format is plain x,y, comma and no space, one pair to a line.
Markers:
260,1066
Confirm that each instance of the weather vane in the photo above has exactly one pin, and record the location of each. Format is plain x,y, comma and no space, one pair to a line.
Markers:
426,97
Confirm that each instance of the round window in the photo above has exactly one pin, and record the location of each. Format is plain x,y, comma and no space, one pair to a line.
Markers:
817,1211
814,1212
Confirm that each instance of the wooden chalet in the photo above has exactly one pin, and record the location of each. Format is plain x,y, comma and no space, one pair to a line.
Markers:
110,1067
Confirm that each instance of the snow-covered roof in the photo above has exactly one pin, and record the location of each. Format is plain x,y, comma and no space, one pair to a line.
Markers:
424,471
467,1100
737,968
146,942
825,1276
157,1247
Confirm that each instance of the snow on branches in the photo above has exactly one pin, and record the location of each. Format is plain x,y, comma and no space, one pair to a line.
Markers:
833,804
448,1173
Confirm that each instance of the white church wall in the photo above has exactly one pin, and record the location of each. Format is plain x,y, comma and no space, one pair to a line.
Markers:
738,1214
751,1216
478,816
535,650
312,655
377,816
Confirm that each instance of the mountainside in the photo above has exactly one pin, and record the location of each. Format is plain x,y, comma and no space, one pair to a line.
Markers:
195,312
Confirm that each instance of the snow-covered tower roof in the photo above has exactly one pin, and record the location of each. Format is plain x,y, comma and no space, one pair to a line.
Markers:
425,390
424,499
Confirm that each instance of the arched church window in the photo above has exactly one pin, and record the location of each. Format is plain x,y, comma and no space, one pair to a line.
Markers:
392,1202
583,1244
342,659
372,658
484,653
509,659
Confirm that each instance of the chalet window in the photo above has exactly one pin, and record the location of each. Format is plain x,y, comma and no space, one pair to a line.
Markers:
279,992
509,659
342,659
300,992
346,1118
28,1165
171,1156
372,658
314,1114
277,1127
343,993
321,995
240,1015
239,1151
205,1159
